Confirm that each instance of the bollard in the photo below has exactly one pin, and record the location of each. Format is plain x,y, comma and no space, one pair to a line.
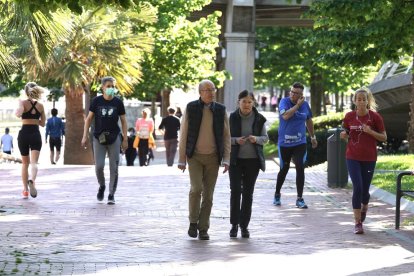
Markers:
337,169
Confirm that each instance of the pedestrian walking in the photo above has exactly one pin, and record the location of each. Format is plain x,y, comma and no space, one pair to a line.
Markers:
295,116
29,139
170,125
7,142
363,128
204,144
274,102
144,127
106,110
248,135
131,151
55,130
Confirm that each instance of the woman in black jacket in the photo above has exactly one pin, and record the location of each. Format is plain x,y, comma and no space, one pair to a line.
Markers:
248,135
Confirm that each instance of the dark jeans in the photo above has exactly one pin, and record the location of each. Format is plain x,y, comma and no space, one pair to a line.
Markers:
361,173
130,155
299,157
142,151
242,180
170,150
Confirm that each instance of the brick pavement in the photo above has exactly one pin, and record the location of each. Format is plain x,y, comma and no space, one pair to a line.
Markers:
65,231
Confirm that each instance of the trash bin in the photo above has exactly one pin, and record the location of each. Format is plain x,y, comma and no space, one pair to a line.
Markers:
337,169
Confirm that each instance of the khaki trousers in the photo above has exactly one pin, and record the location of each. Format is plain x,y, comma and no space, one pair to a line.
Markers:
203,169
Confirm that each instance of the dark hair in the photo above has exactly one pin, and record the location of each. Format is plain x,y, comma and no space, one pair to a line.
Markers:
131,129
7,130
171,110
298,85
54,111
246,93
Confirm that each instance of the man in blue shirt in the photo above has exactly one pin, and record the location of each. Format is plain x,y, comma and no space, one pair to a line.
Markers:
295,116
7,142
55,129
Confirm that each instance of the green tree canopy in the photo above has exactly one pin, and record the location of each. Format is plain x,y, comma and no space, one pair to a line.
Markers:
364,32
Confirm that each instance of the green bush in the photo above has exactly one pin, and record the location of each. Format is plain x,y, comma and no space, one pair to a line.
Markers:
321,126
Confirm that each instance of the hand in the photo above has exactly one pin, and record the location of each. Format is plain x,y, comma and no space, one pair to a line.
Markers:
182,167
300,101
344,135
124,145
314,143
226,168
366,128
252,139
84,140
241,140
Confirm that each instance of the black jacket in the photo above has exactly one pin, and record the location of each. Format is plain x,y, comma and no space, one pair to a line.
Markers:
194,115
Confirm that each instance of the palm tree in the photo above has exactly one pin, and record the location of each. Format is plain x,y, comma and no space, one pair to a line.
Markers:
95,44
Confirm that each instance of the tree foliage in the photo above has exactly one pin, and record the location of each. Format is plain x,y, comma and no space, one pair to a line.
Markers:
291,54
363,32
184,51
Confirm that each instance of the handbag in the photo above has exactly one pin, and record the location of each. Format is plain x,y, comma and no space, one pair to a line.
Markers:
107,138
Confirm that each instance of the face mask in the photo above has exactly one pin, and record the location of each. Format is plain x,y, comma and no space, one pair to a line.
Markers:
111,91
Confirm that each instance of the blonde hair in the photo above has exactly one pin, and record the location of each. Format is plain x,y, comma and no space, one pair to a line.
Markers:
147,111
372,105
33,90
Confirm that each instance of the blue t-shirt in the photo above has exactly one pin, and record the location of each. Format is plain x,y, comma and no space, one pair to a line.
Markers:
55,127
106,114
292,132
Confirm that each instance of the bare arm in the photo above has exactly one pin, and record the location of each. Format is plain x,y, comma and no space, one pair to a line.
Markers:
380,136
42,121
86,127
124,132
309,126
291,111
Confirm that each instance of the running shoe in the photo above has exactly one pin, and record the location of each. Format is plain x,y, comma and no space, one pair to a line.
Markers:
358,229
300,203
32,188
111,200
25,194
276,200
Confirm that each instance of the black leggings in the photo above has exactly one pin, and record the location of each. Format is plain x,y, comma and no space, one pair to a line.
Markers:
29,139
299,157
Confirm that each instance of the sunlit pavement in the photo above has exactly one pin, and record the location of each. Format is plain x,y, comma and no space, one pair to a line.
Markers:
65,231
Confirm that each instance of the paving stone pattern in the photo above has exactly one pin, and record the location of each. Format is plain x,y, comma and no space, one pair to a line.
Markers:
65,231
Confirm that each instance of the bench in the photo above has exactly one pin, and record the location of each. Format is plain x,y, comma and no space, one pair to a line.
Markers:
400,193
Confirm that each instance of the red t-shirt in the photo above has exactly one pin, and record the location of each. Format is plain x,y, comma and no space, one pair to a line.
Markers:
362,146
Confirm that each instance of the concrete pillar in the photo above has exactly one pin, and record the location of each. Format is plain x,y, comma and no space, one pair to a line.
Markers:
240,47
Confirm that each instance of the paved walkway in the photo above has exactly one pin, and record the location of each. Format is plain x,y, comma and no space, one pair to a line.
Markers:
65,231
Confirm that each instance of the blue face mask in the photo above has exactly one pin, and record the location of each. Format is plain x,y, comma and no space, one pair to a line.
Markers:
111,91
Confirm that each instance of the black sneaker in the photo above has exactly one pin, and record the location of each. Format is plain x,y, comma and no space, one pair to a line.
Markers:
111,199
192,230
245,233
100,195
233,231
203,235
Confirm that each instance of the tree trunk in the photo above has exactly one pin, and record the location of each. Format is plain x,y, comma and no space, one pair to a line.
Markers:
74,153
337,105
165,103
410,134
316,90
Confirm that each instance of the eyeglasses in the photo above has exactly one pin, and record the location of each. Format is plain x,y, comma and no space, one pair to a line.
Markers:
110,86
295,93
214,90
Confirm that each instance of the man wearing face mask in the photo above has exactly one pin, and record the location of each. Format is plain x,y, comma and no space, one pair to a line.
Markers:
107,110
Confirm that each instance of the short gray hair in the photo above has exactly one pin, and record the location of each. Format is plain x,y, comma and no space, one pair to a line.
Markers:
106,79
204,82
